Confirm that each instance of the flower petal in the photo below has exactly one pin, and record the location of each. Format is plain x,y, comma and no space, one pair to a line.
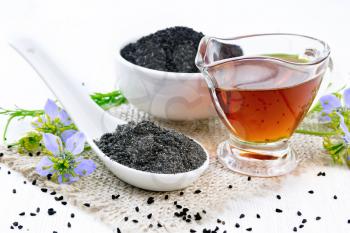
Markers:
75,143
44,167
344,128
324,117
52,143
51,109
85,167
330,103
68,179
67,134
64,117
346,96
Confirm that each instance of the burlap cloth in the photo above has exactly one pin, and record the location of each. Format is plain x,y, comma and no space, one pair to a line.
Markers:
97,188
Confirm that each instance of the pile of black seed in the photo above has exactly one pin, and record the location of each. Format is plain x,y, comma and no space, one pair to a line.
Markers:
172,49
148,147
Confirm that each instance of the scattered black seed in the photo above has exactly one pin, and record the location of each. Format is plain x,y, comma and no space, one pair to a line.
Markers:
44,190
137,209
72,215
335,197
15,224
257,215
304,221
14,191
295,229
38,153
149,216
197,191
9,146
249,229
318,218
159,225
69,225
64,203
87,204
192,231
241,216
126,219
60,198
8,172
204,212
53,193
12,227
197,217
51,211
179,206
24,182
150,200
230,186
349,221
20,227
278,210
135,221
34,182
1,154
119,231
181,193
32,214
218,220
216,229
278,197
166,197
249,178
37,210
148,147
22,213
150,225
311,191
30,154
114,197
188,220
301,226
49,176
54,232
299,213
237,225
175,202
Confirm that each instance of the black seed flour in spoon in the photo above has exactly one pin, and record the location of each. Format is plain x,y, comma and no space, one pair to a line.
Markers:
147,147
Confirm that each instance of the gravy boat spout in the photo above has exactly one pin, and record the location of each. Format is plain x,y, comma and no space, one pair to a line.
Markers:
94,121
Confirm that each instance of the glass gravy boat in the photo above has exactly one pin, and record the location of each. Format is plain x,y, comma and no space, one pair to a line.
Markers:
262,86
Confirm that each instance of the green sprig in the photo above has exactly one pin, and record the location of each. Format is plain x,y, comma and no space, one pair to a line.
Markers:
104,100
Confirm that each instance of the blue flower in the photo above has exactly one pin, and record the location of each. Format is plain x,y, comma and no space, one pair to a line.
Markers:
330,103
64,164
55,121
346,96
344,128
54,112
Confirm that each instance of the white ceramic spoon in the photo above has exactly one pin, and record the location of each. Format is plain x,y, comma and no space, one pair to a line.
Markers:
94,121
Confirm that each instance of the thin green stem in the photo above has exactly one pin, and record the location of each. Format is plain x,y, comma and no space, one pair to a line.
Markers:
315,133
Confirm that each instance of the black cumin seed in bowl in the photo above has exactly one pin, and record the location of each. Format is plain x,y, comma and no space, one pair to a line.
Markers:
147,147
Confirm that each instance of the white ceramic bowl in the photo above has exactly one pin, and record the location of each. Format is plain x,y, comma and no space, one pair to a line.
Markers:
167,95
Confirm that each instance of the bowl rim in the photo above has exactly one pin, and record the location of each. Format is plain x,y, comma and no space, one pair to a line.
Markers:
155,73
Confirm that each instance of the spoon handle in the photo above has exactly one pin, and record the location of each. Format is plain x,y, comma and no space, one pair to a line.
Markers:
87,116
